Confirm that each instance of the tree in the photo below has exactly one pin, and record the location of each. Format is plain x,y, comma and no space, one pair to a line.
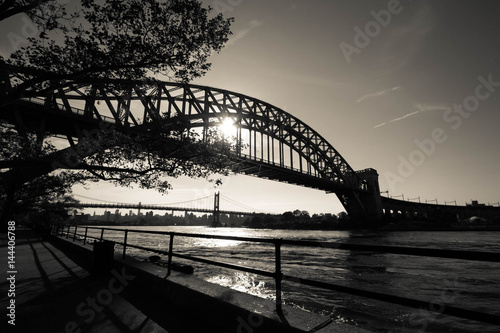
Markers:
166,151
148,159
46,14
46,199
99,41
41,195
135,39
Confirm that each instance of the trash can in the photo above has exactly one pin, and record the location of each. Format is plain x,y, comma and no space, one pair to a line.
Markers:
102,257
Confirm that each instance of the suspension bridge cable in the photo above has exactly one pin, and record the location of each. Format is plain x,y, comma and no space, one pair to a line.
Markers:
242,205
82,196
163,204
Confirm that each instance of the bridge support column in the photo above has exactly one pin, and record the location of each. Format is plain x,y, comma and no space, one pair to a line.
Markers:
216,220
371,201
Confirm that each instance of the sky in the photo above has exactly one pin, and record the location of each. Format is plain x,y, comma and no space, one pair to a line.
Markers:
409,88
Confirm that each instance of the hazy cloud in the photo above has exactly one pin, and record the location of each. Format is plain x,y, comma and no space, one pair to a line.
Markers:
420,108
377,94
405,116
429,107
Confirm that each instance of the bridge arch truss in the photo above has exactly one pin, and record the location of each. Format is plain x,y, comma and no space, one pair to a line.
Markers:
274,144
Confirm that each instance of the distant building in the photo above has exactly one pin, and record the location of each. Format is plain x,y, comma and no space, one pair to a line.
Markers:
476,204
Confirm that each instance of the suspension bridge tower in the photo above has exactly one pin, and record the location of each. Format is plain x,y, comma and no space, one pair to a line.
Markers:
216,220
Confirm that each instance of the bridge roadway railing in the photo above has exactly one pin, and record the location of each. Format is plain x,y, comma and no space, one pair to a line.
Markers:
293,175
79,112
408,209
279,277
304,177
155,207
312,173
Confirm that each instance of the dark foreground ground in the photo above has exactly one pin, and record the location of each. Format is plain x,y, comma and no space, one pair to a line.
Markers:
55,294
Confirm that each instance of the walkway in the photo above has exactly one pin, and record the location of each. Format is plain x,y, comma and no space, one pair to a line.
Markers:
54,294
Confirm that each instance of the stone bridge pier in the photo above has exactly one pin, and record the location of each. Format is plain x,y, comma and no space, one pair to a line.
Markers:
371,200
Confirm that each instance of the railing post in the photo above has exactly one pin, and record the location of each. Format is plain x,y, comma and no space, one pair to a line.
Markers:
278,275
170,251
85,237
125,243
102,234
67,232
74,235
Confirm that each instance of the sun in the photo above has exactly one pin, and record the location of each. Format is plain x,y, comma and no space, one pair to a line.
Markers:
227,127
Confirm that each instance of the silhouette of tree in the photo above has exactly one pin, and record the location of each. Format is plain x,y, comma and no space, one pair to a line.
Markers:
148,160
135,39
102,40
41,195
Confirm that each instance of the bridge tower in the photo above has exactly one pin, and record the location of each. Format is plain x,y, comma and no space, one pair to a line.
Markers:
216,220
371,200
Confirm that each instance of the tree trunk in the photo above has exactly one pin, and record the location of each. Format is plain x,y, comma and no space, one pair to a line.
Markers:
10,192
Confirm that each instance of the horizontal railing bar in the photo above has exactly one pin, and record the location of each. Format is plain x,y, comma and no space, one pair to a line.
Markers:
180,234
206,261
414,251
143,248
226,265
414,303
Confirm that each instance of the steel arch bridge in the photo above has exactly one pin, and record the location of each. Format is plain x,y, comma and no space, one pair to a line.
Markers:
276,144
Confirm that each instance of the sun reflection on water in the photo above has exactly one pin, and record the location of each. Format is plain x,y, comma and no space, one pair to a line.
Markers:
210,242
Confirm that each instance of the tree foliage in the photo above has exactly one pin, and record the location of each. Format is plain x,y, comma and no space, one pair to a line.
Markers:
98,41
46,14
135,39
150,159
40,195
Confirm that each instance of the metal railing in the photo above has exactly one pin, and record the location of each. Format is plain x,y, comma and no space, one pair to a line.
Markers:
278,276
61,107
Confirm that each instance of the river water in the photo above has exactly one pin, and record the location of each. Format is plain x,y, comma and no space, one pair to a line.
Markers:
441,282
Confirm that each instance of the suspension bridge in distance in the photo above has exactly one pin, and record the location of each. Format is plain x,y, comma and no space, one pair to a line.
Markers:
208,204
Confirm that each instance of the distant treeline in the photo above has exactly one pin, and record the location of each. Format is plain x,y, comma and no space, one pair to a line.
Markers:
298,220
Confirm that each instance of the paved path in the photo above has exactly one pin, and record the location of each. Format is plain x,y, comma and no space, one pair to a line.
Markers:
54,294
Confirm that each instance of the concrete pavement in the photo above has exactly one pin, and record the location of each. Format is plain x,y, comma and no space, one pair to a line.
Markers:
54,294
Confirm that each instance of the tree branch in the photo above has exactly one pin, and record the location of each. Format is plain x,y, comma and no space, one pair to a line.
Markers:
18,9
